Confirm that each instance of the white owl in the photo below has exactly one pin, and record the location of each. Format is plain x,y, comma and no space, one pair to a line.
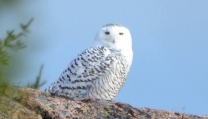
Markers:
100,71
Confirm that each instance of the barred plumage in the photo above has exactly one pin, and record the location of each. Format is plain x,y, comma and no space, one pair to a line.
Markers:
100,71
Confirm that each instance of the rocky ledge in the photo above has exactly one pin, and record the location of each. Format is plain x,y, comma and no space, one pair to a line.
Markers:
25,103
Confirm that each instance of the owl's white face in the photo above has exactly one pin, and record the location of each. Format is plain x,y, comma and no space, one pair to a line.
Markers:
117,37
114,36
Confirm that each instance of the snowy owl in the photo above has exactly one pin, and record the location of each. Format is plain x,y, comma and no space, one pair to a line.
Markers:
100,71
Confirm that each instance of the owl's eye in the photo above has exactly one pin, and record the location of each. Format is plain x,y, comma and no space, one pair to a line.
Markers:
120,33
107,33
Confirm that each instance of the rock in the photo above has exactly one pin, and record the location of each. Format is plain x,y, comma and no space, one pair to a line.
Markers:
25,103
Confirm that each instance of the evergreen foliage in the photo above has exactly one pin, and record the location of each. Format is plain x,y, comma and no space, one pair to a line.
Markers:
37,83
11,44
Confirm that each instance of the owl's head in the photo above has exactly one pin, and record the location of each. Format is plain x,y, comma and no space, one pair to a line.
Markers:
114,36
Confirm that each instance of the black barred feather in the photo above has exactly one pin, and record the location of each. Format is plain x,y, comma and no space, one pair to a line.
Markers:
98,72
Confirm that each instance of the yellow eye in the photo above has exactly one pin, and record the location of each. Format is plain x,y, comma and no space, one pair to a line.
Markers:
120,33
107,33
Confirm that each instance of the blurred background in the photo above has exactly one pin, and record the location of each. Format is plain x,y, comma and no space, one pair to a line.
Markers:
170,44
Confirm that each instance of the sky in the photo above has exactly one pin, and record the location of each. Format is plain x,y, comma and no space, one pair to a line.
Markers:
170,45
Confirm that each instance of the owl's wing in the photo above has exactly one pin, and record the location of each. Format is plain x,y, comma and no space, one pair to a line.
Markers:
92,64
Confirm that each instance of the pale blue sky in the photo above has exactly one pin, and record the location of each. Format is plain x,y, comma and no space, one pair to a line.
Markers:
170,44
